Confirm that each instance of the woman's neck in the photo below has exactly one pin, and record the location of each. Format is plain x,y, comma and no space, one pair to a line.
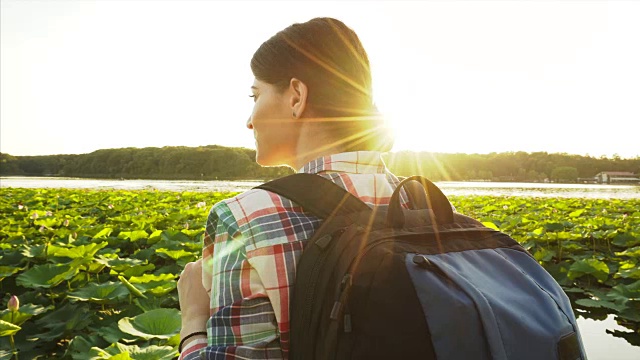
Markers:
314,142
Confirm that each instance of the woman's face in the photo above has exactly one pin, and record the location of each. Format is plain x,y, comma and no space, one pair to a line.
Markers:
273,125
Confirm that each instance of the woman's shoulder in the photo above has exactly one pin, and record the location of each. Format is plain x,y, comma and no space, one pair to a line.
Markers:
248,204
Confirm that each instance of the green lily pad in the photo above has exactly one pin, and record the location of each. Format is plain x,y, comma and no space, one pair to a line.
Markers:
6,271
158,323
24,313
138,270
544,255
624,293
626,240
599,303
7,328
133,235
597,268
66,319
151,352
46,275
77,251
103,234
104,293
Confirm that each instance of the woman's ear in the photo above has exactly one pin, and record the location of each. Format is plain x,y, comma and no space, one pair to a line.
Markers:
298,101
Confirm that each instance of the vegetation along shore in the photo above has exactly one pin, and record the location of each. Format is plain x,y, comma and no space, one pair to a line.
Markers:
215,162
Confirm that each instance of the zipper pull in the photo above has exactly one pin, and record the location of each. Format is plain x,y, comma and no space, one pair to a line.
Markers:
346,281
347,323
335,310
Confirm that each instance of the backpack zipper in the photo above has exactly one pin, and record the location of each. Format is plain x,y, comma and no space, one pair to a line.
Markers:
314,273
345,286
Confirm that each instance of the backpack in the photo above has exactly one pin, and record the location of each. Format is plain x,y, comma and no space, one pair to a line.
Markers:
420,283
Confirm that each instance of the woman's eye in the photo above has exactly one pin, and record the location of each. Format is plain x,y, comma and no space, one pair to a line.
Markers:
254,97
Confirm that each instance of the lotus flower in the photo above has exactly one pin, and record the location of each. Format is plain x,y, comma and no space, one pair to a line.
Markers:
13,304
34,215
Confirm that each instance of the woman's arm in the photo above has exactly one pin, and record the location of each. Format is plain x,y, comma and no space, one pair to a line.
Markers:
194,307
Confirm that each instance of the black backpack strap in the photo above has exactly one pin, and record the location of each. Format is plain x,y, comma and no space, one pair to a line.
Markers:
316,194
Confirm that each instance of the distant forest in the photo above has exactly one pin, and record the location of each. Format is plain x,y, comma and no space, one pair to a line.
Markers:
224,163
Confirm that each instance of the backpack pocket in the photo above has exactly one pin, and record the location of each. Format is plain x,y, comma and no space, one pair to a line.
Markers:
492,304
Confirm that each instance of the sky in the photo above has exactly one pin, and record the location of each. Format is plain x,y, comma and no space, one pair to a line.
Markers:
453,77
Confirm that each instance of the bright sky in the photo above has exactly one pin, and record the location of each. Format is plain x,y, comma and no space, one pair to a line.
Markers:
457,76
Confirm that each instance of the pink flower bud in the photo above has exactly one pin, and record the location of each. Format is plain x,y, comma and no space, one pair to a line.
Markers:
186,226
42,228
201,204
34,215
48,213
20,206
14,303
110,206
66,222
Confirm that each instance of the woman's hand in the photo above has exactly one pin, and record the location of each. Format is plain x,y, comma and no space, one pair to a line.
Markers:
194,300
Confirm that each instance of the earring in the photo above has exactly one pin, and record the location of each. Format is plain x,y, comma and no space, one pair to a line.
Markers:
294,114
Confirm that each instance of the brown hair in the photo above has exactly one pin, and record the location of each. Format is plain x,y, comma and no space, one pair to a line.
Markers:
329,58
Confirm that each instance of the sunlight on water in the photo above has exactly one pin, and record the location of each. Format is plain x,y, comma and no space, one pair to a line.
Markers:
601,346
448,187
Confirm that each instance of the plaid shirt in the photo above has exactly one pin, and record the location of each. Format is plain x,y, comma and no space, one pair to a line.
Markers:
252,244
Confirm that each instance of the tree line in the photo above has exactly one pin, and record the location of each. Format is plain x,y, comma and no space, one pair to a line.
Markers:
215,162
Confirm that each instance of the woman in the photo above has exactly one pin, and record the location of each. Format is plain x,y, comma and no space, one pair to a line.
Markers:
313,111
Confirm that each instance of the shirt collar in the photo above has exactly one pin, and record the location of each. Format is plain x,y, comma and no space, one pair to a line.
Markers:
357,162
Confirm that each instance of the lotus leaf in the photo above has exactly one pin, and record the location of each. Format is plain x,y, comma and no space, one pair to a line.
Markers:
6,271
105,293
24,313
597,268
104,233
138,270
112,334
624,293
76,251
48,222
628,270
32,251
65,319
544,255
7,328
598,303
633,252
133,235
148,353
120,265
46,275
158,323
80,346
177,254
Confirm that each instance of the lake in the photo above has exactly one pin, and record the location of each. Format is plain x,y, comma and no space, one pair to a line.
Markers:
448,187
598,343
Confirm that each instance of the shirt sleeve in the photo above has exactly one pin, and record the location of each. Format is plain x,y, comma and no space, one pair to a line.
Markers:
242,322
192,350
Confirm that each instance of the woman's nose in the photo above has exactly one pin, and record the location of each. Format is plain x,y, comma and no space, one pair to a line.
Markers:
249,124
